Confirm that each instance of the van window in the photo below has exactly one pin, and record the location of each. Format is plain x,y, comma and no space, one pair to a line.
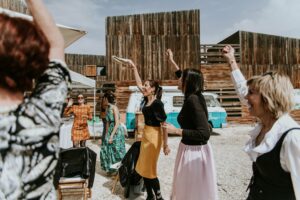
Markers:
178,101
211,101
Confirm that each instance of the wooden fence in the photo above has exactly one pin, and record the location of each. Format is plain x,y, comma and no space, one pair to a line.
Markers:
145,39
14,5
85,64
261,52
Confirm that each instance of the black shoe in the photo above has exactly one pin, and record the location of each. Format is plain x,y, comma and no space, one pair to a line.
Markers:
150,198
159,196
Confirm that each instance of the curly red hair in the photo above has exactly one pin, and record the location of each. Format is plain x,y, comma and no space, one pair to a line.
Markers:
24,52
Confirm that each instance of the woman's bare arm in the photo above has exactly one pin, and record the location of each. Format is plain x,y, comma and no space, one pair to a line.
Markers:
136,75
44,20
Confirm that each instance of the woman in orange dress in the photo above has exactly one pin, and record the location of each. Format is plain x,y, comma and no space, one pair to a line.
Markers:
80,131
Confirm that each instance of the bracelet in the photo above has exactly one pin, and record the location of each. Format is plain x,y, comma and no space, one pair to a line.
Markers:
232,61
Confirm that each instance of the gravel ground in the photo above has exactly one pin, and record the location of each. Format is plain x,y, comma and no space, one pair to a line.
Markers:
232,164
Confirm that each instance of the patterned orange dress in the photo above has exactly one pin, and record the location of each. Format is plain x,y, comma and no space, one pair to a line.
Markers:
80,130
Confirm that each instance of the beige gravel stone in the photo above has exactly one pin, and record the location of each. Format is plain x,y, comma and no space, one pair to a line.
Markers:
232,164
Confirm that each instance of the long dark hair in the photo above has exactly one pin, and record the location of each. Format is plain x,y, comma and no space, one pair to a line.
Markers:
110,96
193,83
157,92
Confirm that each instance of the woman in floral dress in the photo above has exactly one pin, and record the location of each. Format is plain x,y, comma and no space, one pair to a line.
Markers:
113,145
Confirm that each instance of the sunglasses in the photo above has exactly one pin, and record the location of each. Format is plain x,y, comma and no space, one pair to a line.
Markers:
270,73
79,97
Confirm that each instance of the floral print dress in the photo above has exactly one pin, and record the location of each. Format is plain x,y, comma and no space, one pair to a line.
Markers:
29,142
112,153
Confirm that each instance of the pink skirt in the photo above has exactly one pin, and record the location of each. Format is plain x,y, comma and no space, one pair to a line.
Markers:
194,174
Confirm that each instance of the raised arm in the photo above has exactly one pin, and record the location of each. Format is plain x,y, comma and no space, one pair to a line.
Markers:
170,57
228,53
44,20
239,81
43,108
136,75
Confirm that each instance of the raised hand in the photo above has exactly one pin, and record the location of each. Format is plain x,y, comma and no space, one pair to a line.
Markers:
131,64
169,54
228,53
70,102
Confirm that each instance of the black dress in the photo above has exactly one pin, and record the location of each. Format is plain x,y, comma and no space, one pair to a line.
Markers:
154,114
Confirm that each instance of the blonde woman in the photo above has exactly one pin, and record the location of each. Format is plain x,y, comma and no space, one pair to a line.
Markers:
274,144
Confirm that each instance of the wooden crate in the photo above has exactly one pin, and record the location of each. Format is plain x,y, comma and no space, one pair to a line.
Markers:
90,71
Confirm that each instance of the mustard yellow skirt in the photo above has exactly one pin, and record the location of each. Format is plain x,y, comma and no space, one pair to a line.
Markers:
149,152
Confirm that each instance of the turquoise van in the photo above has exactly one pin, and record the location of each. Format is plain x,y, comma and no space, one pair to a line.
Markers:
173,101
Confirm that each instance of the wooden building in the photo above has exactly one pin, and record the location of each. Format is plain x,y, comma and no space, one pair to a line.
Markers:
88,65
145,38
261,52
256,53
92,66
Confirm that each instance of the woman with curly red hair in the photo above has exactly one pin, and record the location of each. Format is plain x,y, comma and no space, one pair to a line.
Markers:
29,127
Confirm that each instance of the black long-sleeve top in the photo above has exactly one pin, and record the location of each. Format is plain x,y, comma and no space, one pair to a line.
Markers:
154,114
193,119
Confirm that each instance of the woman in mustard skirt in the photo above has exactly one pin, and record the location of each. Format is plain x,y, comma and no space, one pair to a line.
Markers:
153,136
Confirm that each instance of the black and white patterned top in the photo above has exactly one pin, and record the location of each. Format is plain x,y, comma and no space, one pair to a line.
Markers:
29,142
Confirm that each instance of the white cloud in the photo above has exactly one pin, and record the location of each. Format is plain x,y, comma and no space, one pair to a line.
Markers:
279,17
218,18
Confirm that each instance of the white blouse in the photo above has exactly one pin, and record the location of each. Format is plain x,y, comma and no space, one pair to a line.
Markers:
290,150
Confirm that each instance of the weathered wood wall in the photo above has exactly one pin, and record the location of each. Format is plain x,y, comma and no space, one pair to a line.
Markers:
87,65
145,39
14,5
263,49
81,63
261,52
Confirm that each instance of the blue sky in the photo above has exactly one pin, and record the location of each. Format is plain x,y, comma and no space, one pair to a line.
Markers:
218,18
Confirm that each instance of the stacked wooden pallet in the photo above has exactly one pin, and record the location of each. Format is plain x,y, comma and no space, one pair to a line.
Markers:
229,100
122,93
296,115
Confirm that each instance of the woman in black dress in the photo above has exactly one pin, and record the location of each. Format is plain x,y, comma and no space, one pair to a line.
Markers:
153,136
194,173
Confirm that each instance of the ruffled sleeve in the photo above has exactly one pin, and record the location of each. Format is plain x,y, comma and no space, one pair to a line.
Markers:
39,116
240,84
178,73
159,111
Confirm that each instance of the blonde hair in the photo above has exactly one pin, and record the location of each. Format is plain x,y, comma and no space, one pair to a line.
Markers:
276,90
